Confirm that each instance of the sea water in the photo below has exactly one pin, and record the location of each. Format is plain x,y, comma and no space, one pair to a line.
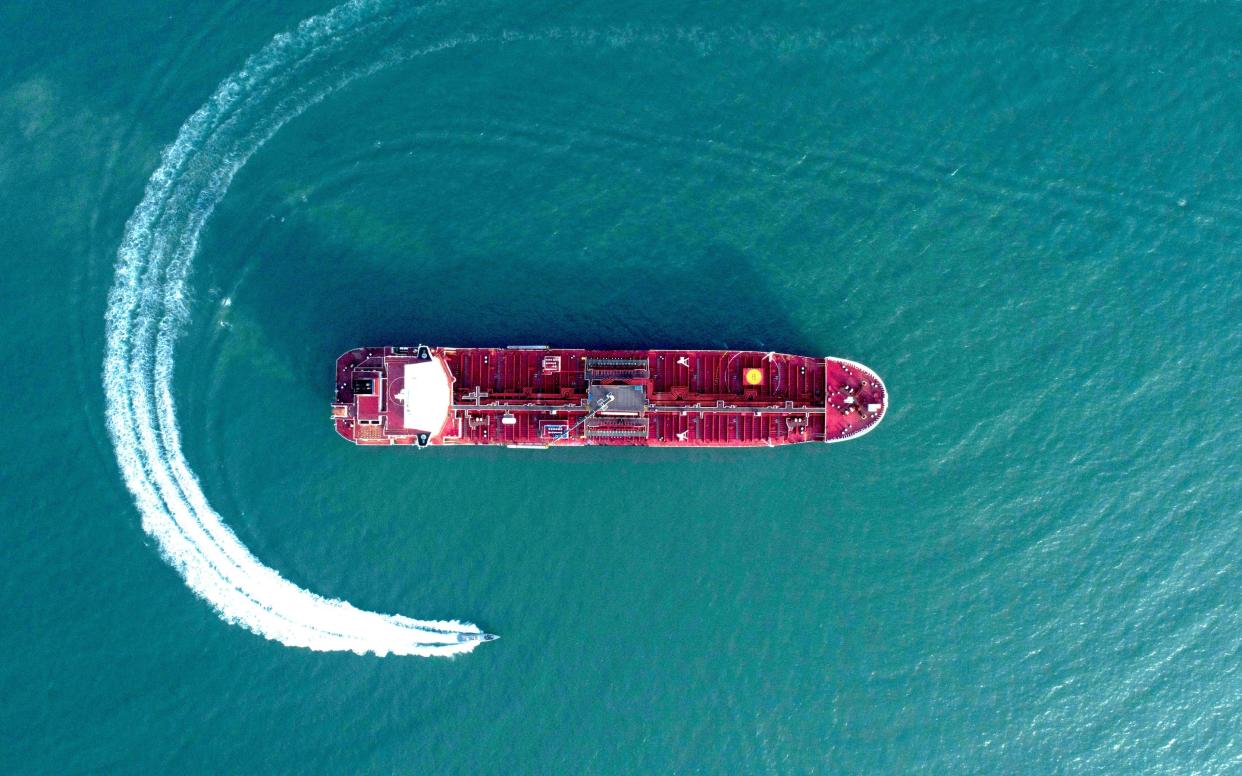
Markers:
1024,218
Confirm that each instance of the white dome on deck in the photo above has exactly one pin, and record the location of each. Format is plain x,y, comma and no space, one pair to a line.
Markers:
427,394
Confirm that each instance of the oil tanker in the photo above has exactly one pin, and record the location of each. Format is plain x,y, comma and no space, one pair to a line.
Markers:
541,397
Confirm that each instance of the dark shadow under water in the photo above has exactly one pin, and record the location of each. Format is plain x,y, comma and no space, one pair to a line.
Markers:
704,296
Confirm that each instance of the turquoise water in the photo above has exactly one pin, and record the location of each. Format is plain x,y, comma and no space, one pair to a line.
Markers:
1025,219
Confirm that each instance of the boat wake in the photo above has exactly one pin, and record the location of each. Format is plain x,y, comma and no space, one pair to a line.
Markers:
147,309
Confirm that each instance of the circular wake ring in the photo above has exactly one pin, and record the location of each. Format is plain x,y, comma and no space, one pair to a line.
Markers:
147,310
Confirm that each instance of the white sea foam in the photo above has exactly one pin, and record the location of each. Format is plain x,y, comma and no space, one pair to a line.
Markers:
146,311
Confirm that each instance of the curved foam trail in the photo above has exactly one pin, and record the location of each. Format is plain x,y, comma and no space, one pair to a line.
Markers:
146,310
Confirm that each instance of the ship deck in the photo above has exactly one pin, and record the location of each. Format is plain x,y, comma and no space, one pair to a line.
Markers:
564,397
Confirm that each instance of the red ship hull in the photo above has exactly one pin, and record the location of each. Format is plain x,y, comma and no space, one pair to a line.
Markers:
542,397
